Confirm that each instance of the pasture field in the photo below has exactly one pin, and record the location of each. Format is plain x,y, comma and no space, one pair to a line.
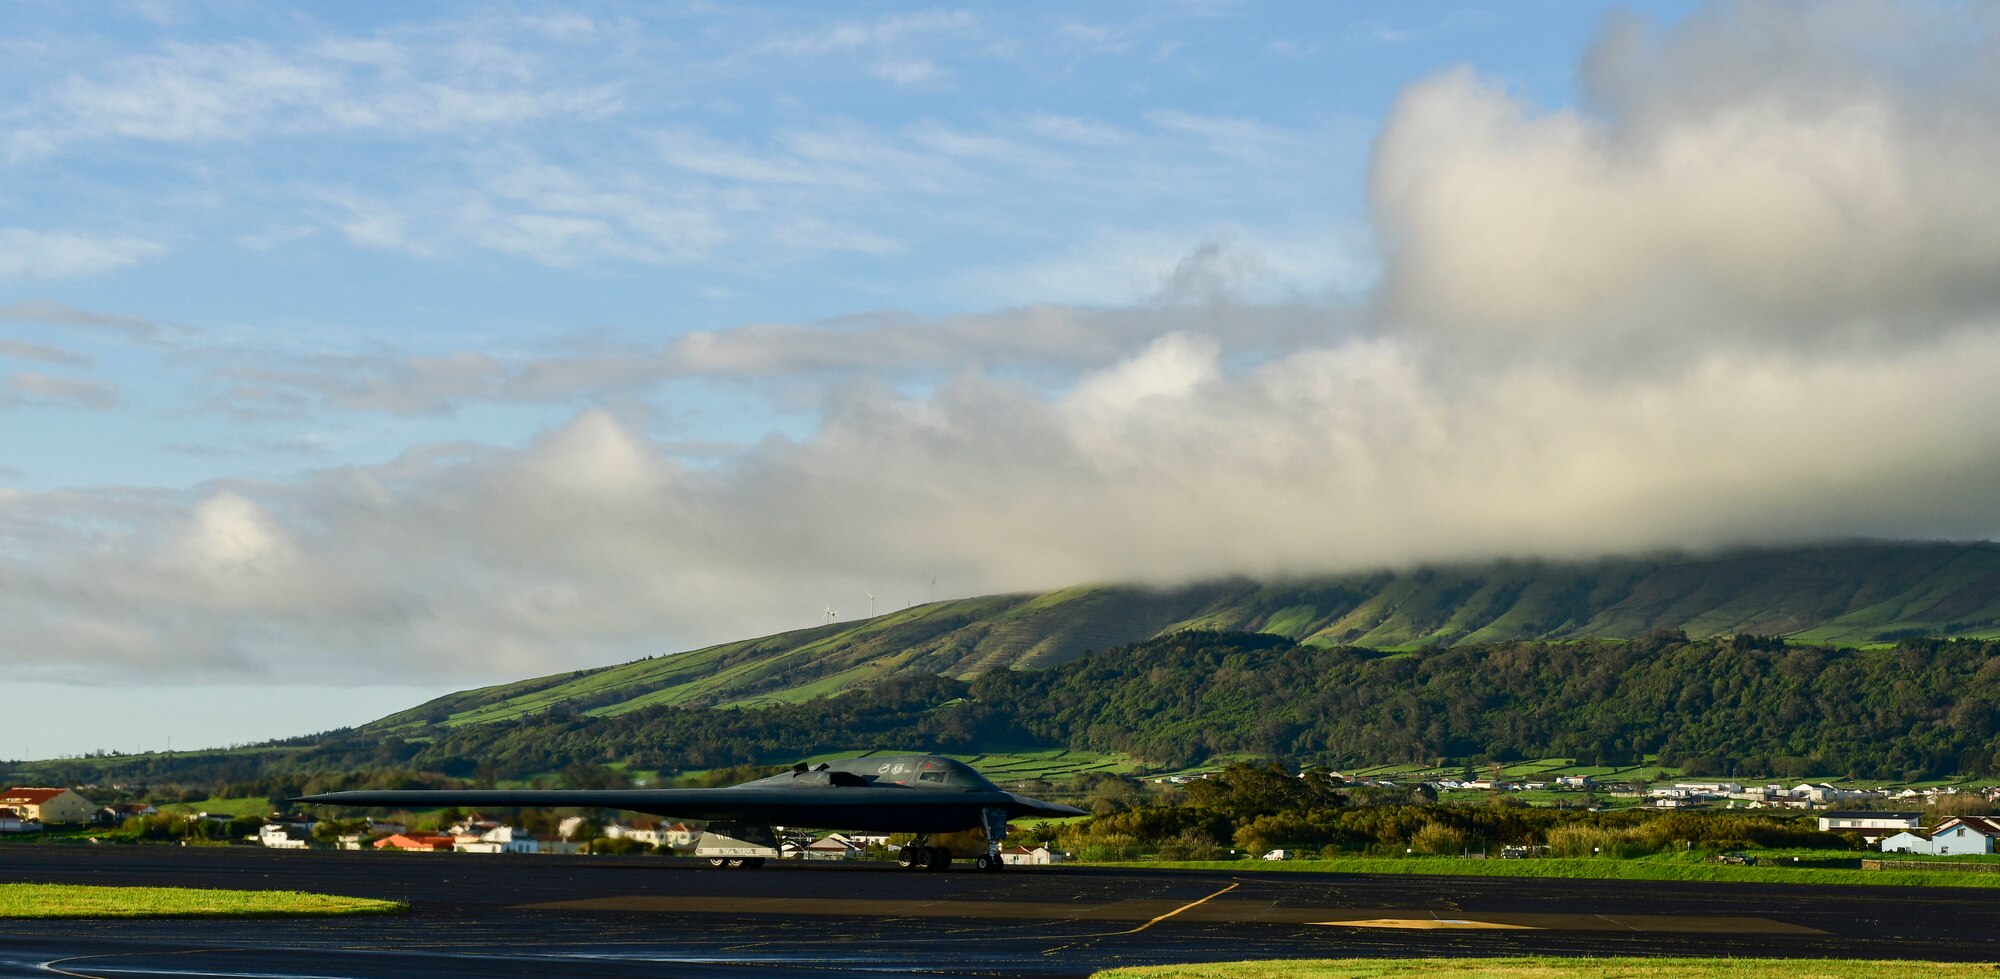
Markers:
245,806
1555,968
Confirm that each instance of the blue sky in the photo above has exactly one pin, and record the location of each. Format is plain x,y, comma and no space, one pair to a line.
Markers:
256,186
393,354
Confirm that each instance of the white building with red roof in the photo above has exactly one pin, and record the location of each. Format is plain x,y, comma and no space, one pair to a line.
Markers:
49,806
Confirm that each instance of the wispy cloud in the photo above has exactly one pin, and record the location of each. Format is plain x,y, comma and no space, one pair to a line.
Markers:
45,311
19,350
29,254
849,35
30,388
239,90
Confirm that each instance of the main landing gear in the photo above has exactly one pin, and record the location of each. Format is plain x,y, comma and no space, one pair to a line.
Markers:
919,855
736,863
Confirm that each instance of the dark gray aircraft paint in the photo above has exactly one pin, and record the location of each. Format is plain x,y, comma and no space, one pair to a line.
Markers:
920,794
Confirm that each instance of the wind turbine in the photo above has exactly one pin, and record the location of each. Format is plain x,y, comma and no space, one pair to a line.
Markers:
871,604
831,614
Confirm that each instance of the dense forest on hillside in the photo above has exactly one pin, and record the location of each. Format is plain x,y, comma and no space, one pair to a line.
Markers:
1855,595
1746,705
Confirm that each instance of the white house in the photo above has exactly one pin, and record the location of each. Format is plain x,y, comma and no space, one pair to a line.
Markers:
285,836
649,835
495,839
1957,835
49,805
1021,855
834,847
1871,825
679,835
1825,792
1709,788
12,821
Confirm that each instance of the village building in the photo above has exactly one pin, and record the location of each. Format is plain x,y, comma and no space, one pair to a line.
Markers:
116,815
1872,826
648,834
285,836
495,839
12,821
50,807
679,836
425,842
1026,856
1956,836
834,847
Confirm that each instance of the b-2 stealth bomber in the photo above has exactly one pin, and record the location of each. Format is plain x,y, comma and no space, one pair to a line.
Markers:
924,795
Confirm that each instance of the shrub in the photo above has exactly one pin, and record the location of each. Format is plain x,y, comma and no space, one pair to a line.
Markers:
1438,839
1190,845
1586,841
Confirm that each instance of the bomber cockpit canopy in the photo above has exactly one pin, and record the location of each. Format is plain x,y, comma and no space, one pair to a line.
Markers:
916,771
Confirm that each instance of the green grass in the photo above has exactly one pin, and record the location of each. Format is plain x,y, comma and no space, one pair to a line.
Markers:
1601,869
245,806
87,901
1554,968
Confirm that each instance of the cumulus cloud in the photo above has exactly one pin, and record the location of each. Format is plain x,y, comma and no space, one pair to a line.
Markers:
1767,170
1684,315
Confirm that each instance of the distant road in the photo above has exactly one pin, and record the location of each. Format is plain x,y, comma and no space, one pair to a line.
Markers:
634,916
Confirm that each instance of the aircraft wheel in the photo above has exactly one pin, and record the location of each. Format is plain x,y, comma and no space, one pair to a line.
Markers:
717,862
940,859
986,862
735,863
752,863
906,857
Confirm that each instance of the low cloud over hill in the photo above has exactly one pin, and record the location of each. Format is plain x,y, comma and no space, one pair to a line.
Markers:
1743,293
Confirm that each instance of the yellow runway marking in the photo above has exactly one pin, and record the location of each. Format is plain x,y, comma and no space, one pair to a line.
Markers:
1220,907
1192,904
1689,924
1427,924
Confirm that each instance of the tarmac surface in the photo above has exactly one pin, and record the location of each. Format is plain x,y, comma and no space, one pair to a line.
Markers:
518,915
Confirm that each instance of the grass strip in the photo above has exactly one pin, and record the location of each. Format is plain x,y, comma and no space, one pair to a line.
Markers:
1543,967
91,901
1594,869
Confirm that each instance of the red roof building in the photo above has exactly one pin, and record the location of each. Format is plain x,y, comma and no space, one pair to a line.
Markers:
49,805
414,841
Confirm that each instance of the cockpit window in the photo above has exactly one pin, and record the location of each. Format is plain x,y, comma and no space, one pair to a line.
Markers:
930,776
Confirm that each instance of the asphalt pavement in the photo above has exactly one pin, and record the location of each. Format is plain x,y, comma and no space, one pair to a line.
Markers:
528,915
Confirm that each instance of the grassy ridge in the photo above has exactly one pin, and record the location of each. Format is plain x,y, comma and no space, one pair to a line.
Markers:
1606,869
1555,968
1852,595
86,901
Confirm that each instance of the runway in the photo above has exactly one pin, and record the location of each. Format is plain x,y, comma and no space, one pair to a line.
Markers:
501,915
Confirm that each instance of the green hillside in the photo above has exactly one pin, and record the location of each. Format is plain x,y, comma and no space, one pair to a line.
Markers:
1845,595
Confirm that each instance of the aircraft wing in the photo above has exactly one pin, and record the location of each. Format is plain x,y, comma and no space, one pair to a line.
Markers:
890,808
